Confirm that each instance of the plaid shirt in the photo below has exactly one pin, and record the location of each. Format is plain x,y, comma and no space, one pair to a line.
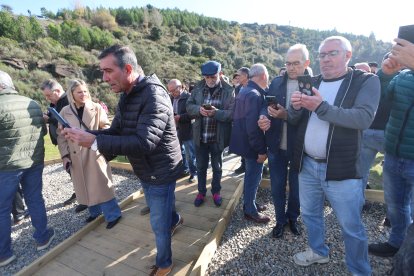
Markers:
209,126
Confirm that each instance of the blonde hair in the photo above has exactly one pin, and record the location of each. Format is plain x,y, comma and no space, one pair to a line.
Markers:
73,84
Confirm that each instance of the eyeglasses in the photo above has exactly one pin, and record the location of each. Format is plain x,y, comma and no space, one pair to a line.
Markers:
330,54
295,63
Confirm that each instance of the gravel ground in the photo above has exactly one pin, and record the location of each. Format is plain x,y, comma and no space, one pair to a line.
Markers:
248,248
57,187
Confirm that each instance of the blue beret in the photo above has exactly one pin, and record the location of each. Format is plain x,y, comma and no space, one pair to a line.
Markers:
210,68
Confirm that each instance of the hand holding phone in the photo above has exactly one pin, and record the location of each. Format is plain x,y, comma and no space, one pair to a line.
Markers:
305,84
59,118
207,106
271,101
406,32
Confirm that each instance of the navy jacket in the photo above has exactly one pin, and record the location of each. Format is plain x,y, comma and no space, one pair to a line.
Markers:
278,88
247,139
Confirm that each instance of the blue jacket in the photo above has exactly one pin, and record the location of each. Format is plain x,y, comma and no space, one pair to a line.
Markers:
278,88
247,139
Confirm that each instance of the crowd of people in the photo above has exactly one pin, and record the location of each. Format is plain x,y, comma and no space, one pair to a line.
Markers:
321,144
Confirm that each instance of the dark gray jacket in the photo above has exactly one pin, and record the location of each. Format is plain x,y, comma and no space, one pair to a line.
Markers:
353,111
144,130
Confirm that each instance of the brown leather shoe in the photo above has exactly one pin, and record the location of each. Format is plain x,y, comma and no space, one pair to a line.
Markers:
158,271
258,218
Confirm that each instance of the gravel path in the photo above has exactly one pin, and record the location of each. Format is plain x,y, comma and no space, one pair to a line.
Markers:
246,248
249,249
57,187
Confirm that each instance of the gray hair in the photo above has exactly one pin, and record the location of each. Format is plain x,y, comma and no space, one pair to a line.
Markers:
123,55
257,70
5,81
345,44
51,84
299,47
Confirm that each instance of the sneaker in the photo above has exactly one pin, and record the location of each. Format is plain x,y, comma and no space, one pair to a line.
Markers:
178,224
217,199
309,257
158,271
41,246
383,249
144,211
6,261
199,200
191,179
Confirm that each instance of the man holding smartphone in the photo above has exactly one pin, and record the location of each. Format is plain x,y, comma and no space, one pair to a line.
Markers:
327,149
211,105
280,136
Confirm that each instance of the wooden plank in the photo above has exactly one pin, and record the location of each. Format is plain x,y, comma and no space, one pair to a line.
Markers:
200,267
54,268
91,263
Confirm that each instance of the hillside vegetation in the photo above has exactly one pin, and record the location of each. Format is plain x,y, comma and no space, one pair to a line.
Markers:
169,42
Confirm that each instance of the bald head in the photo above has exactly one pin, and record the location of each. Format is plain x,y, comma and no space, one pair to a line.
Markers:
175,88
364,66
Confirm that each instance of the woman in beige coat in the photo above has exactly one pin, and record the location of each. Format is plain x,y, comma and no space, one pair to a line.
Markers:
90,172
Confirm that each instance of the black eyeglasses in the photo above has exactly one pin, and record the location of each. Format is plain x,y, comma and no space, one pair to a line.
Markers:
330,54
295,63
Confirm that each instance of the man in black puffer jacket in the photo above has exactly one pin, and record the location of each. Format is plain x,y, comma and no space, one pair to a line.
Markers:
143,129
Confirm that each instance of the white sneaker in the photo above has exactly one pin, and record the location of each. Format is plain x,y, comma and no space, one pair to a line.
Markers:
309,257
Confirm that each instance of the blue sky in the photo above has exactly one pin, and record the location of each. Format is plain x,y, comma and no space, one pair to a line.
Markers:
351,16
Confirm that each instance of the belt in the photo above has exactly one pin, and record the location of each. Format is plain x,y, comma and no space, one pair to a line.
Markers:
316,159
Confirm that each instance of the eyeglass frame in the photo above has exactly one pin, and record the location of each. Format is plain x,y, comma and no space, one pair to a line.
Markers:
294,64
329,54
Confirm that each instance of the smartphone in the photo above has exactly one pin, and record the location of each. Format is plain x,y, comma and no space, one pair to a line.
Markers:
305,84
271,101
406,32
207,106
57,116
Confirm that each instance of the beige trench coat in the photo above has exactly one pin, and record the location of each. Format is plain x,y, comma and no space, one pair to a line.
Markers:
91,173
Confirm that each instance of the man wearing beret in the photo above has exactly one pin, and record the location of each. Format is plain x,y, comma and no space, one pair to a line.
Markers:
211,105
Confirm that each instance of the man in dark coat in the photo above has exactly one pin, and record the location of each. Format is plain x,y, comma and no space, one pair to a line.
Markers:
143,129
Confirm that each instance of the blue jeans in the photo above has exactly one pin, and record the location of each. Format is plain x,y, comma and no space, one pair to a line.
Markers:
252,178
203,152
31,181
398,177
372,143
110,210
161,201
190,156
346,199
279,166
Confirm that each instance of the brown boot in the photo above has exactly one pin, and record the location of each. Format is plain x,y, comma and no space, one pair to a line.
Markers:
158,271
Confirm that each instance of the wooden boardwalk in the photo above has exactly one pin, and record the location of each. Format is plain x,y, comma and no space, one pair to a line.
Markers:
129,248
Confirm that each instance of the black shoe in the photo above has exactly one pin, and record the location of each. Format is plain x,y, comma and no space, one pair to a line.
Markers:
368,187
113,223
258,219
386,222
383,249
191,179
185,173
278,230
293,225
90,219
70,200
240,170
80,208
265,171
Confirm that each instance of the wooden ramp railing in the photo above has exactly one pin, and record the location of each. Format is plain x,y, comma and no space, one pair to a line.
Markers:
129,248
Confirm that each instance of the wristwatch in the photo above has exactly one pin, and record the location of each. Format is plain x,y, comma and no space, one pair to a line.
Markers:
94,145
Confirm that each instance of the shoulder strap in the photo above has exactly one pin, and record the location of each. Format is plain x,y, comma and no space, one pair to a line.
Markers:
77,116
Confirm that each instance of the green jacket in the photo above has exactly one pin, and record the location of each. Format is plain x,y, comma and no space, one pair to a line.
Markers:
399,132
224,114
22,128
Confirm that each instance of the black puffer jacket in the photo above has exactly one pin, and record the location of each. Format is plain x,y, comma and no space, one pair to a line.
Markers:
143,130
